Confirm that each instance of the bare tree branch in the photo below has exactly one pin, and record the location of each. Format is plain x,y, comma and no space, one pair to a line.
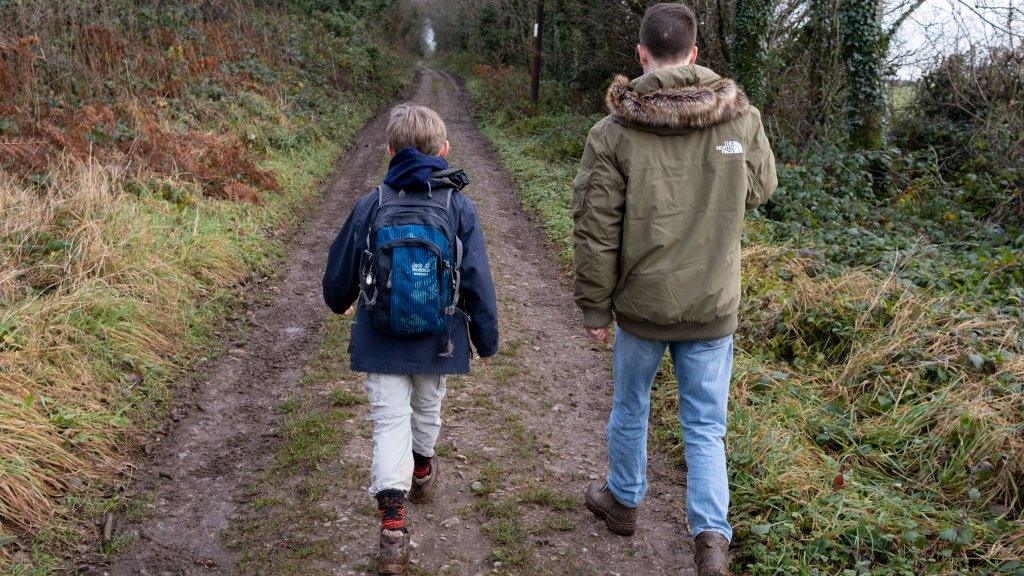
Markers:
985,19
903,18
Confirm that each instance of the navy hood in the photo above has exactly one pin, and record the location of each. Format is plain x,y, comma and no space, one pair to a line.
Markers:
411,169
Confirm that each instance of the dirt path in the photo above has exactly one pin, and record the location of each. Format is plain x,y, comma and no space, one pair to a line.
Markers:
269,476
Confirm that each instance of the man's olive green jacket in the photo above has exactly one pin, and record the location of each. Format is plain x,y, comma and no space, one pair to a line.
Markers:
659,201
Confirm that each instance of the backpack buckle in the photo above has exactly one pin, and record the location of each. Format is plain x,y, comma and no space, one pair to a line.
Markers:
456,311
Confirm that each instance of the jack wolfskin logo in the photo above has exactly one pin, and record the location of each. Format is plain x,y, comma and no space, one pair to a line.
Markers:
419,269
730,147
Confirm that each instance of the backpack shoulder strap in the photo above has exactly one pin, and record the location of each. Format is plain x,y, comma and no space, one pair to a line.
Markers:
453,222
373,214
386,194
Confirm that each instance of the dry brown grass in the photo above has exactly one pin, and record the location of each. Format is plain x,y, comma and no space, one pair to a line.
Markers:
92,293
88,120
896,336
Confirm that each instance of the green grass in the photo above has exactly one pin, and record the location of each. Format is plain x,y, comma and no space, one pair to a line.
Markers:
560,523
341,397
512,545
551,498
310,438
873,423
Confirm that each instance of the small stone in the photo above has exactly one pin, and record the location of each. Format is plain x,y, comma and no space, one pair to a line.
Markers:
477,486
592,476
450,522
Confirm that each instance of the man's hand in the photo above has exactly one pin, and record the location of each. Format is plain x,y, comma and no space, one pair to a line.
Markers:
600,335
351,310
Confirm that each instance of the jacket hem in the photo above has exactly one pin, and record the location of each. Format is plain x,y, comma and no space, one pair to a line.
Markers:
682,332
417,369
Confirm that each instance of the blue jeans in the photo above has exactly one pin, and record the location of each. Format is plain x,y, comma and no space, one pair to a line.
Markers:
703,370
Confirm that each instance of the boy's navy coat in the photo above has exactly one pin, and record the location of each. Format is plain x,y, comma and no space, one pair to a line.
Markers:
376,352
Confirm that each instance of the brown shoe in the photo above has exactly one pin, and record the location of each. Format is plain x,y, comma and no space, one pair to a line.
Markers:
711,554
394,552
619,518
423,488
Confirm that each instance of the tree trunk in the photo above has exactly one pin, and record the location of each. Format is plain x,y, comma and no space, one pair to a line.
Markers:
753,21
538,36
864,49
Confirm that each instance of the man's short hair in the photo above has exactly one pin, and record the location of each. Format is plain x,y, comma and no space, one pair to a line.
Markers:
668,31
419,127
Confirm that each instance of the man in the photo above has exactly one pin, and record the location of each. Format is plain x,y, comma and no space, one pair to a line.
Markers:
658,208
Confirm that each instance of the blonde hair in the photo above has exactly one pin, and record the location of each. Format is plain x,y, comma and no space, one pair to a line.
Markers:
419,127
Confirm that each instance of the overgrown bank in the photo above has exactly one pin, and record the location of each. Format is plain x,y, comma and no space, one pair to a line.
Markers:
149,160
877,402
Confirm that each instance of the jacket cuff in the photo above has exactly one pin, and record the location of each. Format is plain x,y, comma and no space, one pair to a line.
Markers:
596,318
487,352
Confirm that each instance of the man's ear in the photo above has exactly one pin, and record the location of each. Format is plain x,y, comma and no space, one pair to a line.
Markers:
693,56
444,150
391,151
642,55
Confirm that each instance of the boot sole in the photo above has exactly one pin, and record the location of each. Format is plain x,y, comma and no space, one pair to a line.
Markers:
422,496
421,499
386,569
418,495
616,527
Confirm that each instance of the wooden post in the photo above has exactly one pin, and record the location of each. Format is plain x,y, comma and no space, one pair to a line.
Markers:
538,33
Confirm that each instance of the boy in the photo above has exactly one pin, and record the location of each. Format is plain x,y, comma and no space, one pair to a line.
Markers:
658,207
412,253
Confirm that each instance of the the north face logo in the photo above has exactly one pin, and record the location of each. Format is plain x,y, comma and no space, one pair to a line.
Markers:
730,147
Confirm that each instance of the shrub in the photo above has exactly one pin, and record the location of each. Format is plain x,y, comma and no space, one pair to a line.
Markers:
968,112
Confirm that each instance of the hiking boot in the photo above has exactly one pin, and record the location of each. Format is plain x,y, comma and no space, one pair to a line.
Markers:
711,554
619,518
423,489
394,552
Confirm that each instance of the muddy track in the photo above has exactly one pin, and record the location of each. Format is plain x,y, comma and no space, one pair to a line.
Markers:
523,434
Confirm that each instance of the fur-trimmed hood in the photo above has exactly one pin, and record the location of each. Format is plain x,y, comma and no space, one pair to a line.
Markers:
679,98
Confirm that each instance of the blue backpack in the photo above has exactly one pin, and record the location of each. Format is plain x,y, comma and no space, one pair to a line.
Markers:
410,271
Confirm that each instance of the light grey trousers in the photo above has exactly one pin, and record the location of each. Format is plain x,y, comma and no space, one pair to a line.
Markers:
406,415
